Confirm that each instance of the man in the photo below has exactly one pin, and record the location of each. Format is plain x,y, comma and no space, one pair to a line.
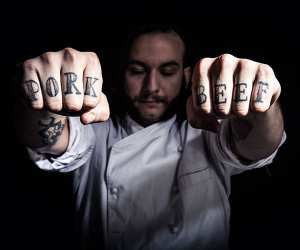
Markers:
149,180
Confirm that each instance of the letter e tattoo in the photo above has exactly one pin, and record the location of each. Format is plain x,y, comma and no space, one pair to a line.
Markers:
241,92
220,93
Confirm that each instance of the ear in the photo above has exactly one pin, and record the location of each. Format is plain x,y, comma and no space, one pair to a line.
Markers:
187,74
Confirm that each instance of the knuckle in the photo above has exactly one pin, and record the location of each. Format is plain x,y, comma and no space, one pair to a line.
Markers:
222,110
260,108
206,109
93,58
226,59
203,64
90,103
240,111
54,106
265,69
29,65
73,106
37,105
246,64
70,54
48,57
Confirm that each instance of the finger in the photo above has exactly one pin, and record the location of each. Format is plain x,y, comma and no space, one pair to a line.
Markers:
97,114
263,88
31,84
244,78
50,81
199,119
222,83
71,78
201,85
92,80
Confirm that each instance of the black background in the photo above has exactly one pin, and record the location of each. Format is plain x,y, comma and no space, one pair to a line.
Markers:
36,209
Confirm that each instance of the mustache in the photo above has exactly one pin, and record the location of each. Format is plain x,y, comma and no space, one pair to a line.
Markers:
151,97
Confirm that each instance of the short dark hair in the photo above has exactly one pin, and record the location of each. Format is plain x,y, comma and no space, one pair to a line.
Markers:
154,29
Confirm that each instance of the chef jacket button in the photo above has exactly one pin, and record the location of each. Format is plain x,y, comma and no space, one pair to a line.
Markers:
179,149
114,192
173,228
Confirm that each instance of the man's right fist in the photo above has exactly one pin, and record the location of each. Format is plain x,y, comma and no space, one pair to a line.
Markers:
66,82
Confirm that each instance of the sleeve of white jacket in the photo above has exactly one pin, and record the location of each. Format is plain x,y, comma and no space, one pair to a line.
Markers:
79,150
221,150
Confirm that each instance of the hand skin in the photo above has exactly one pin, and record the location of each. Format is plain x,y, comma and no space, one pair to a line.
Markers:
246,93
56,85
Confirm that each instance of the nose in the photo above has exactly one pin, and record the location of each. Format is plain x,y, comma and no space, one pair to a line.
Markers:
152,81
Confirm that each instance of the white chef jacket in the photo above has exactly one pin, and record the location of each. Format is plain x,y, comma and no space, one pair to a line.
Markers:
165,186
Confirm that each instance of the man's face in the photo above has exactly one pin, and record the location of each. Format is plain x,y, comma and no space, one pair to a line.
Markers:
154,74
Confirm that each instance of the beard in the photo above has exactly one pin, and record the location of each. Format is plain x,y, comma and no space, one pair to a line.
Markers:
166,109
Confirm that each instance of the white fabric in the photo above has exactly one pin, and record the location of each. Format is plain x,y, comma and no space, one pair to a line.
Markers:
161,187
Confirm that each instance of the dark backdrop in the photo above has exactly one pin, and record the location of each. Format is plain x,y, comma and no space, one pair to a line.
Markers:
36,208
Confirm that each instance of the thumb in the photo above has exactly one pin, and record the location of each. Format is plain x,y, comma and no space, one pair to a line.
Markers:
100,113
199,119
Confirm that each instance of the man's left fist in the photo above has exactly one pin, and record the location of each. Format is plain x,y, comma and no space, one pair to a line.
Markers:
228,86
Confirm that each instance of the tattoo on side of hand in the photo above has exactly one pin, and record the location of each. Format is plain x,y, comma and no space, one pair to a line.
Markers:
51,130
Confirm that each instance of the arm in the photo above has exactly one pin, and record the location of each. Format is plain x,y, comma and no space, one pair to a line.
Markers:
56,85
257,135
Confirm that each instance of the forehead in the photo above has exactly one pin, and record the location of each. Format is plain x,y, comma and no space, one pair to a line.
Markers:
157,47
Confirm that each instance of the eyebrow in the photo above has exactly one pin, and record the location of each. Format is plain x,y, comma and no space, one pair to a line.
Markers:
165,64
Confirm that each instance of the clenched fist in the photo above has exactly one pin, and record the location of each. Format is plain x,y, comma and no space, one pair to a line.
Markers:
227,86
66,82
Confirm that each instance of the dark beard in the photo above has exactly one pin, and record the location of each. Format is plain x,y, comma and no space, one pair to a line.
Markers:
173,107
